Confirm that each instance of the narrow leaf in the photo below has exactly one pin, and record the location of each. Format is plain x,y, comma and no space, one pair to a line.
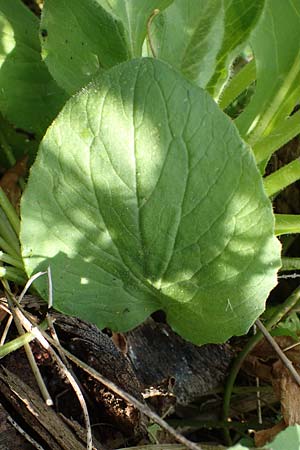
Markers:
275,45
282,177
290,263
283,133
238,84
193,49
287,224
240,18
144,197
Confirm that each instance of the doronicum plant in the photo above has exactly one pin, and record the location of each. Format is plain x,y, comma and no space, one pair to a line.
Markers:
144,195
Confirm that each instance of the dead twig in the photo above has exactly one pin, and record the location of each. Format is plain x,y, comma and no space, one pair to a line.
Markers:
43,340
149,23
24,321
281,355
13,306
23,433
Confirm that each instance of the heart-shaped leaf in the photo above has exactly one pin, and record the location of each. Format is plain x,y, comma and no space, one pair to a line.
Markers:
144,197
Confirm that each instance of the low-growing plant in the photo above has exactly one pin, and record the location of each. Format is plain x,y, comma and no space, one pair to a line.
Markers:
144,195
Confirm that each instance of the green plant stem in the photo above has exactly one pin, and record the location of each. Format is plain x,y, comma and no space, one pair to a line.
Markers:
290,264
6,148
238,84
9,155
4,257
287,224
252,342
282,178
33,365
12,274
282,134
10,212
18,342
269,117
8,234
9,250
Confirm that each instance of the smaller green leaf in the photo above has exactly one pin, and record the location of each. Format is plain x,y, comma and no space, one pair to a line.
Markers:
288,327
194,49
238,84
79,39
134,15
240,18
275,44
283,133
211,35
29,97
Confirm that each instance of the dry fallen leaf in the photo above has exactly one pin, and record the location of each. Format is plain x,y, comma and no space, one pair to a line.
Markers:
9,181
264,363
263,436
289,392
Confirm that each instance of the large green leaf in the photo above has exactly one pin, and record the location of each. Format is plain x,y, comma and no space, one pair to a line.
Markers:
275,44
144,197
29,97
211,34
79,39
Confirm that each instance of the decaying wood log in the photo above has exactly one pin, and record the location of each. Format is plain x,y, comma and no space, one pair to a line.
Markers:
153,356
96,349
10,438
158,354
47,426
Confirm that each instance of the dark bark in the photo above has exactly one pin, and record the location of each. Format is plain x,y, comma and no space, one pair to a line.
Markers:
159,357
